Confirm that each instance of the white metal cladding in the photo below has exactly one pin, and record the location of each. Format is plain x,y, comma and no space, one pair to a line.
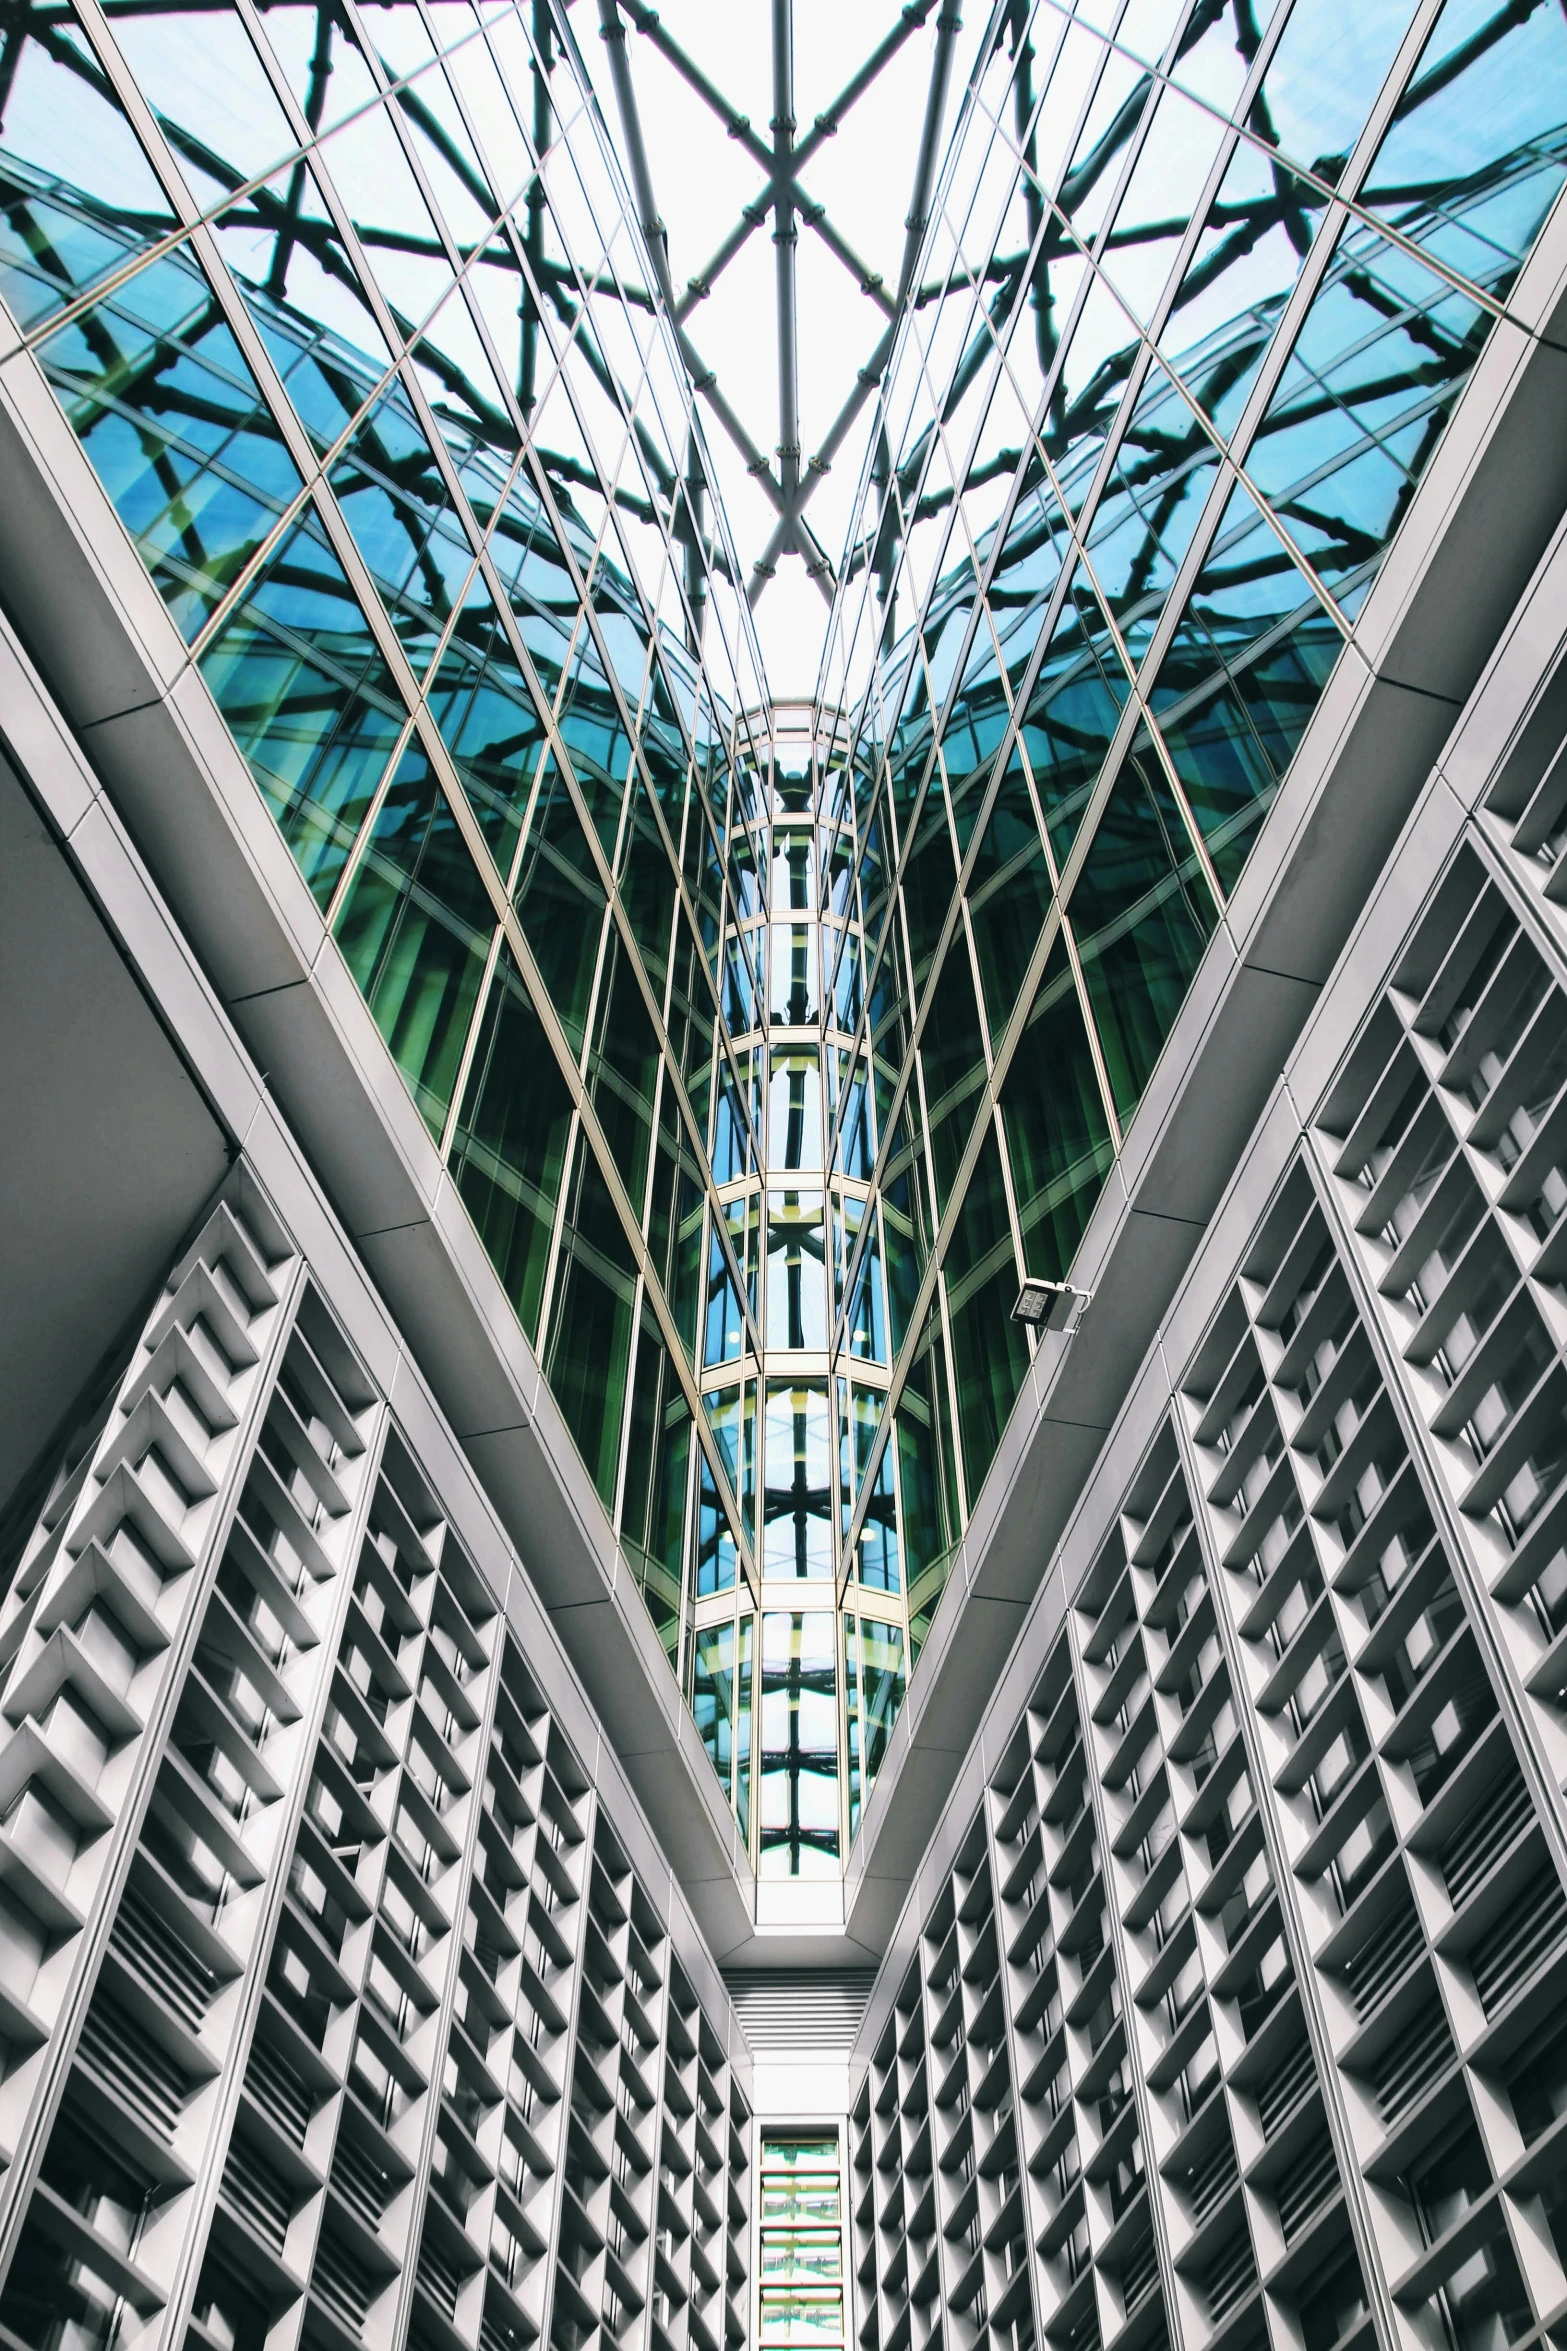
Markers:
336,2009
1230,2008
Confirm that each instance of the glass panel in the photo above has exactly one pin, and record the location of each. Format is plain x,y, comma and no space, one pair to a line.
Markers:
713,1697
623,1071
1141,914
395,502
488,722
199,73
177,432
1232,744
509,1148
308,699
415,929
560,901
796,1270
656,1501
1380,357
952,1056
794,1111
989,1350
1477,149
743,1718
927,1483
79,194
731,1415
1053,1116
1322,78
874,1662
1009,894
589,1350
797,1499
799,1742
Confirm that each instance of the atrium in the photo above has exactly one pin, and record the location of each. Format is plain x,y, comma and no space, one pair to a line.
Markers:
783,1025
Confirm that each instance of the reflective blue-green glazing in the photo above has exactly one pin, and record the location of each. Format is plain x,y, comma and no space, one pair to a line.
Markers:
347,314
1206,283
766,1050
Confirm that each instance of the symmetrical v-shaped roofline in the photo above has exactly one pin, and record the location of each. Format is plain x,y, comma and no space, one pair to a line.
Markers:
783,198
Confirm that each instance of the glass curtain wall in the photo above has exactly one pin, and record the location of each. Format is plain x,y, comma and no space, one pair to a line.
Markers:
768,1051
1205,281
349,313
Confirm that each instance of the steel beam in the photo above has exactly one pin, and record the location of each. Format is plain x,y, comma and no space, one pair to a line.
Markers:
785,243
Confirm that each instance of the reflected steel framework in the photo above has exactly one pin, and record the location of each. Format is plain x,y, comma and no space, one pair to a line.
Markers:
769,1047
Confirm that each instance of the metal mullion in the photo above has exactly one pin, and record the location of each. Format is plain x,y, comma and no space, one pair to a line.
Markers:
555,743
1357,2203
448,1133
1095,1048
1004,1050
652,1290
360,845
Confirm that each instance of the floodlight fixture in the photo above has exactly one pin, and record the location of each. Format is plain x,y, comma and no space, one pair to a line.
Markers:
1050,1306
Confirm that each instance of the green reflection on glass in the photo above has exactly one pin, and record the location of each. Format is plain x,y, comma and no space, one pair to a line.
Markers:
873,1656
927,1482
1052,1113
317,728
1142,914
509,1149
989,1351
623,1070
713,1697
560,902
654,1497
415,928
952,1056
1009,894
589,1350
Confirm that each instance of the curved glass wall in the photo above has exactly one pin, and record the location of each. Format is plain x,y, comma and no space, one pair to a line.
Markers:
348,313
1205,283
767,1048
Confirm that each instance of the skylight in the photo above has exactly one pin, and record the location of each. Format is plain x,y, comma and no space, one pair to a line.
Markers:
870,86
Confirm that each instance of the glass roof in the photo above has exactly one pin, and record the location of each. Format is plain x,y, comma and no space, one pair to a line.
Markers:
786,323
769,1046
